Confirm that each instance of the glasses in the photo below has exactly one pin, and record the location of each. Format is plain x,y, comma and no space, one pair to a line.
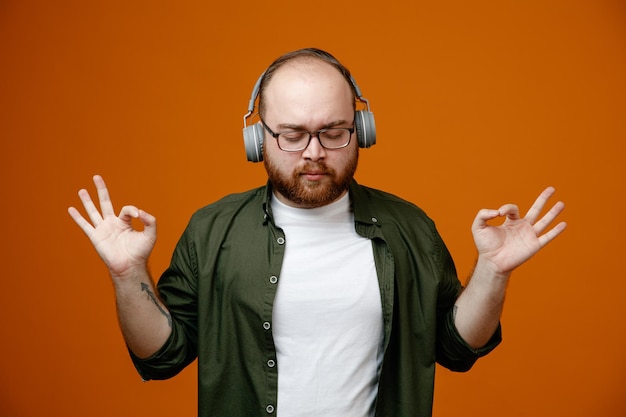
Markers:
298,140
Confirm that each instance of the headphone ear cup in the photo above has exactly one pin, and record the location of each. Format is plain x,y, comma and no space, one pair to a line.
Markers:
253,137
365,128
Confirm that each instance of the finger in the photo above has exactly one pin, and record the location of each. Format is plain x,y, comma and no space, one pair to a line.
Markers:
103,196
548,218
551,234
128,213
149,223
90,207
84,225
511,211
482,217
540,202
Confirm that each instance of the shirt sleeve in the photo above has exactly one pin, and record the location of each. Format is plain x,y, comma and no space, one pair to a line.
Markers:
452,351
177,289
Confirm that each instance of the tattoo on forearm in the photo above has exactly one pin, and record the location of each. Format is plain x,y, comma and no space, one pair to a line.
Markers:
454,309
145,287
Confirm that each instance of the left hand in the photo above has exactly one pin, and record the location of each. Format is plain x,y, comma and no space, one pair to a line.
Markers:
507,246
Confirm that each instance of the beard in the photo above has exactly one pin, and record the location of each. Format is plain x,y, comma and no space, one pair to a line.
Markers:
310,194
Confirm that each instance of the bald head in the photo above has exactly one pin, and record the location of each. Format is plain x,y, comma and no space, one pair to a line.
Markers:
307,94
308,56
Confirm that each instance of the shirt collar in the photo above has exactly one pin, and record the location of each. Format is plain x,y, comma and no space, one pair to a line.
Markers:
364,211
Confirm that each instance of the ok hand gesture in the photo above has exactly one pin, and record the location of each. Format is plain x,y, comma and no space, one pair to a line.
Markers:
121,247
507,246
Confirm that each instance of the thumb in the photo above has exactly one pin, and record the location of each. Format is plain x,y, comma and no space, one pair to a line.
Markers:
149,223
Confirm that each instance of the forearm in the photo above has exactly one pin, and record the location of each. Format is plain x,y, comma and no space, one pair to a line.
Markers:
144,320
479,307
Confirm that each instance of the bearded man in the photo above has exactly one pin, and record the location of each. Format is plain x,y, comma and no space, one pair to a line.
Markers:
312,295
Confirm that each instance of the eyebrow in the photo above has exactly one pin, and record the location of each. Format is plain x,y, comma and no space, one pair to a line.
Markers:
303,128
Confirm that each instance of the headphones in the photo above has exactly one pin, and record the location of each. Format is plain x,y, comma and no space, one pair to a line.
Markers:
254,135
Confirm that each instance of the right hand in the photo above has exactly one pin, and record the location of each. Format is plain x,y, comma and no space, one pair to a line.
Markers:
122,248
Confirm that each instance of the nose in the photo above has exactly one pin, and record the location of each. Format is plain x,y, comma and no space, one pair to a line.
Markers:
314,150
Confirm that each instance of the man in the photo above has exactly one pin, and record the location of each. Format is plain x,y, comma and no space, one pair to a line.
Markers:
312,295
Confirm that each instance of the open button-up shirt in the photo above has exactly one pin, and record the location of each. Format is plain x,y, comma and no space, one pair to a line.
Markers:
220,289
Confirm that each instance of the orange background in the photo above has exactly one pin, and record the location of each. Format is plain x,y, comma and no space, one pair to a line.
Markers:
476,103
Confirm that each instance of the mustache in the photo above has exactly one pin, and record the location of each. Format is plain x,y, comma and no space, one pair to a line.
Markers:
319,167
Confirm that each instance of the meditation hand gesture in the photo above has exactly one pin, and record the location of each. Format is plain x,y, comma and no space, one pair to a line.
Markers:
121,247
509,245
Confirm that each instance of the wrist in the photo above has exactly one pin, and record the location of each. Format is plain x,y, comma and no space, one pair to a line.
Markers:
132,275
487,268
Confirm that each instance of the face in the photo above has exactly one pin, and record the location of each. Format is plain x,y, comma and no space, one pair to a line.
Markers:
309,95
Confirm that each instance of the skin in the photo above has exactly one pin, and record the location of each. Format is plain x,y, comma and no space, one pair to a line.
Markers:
309,95
144,320
501,249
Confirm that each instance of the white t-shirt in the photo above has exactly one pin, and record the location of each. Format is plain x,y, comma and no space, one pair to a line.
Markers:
327,319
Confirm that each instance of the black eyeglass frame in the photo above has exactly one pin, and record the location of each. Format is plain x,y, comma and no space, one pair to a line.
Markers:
311,135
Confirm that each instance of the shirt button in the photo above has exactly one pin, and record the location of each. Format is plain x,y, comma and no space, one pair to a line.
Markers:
269,409
374,219
271,363
281,240
266,325
273,279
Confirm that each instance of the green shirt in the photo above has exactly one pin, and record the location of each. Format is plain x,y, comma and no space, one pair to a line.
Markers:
220,289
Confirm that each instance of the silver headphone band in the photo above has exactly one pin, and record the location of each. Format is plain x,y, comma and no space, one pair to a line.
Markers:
257,86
